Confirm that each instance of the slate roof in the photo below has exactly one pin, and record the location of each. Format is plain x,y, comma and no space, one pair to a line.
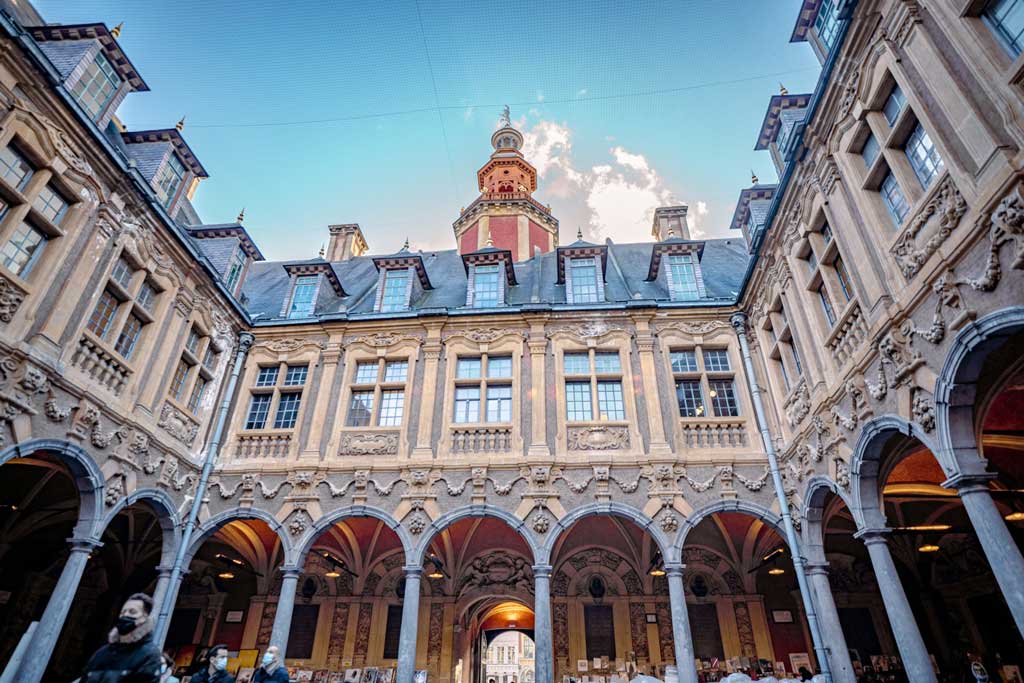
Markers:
723,265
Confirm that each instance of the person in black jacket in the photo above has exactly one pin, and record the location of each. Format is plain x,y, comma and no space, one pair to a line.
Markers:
216,670
130,656
271,670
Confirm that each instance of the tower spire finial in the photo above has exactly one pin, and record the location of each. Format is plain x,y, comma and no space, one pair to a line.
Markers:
506,119
180,125
579,233
753,177
115,32
782,90
405,247
322,252
241,216
490,240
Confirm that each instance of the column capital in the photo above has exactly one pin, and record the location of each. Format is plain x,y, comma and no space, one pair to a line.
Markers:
817,568
542,571
413,571
163,570
291,571
738,321
84,545
674,569
972,482
873,535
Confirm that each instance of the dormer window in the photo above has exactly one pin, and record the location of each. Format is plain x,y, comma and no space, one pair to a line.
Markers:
583,277
396,291
303,296
168,180
487,286
827,23
683,277
97,86
235,269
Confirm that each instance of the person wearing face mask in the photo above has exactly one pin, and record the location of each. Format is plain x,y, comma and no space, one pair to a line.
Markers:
130,656
270,670
167,671
216,670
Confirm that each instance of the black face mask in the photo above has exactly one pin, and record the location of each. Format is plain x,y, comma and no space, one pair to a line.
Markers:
125,625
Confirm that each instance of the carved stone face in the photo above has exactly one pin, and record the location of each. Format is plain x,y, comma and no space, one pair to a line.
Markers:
419,477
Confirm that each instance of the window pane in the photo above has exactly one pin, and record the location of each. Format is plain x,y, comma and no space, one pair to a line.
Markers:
826,23
129,336
235,269
923,155
122,273
287,410
486,286
467,404
683,361
210,358
197,394
607,364
267,377
843,277
826,305
296,375
14,168
51,204
499,404
392,404
360,409
396,371
796,358
168,179
96,86
179,379
690,398
192,343
103,315
303,296
683,277
723,398
577,401
23,249
577,364
366,373
468,368
716,360
499,366
894,199
396,290
894,105
812,261
1006,17
870,151
826,233
583,275
258,409
146,296
609,401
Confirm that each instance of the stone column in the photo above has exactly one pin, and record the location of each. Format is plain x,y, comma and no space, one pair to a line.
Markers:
410,625
911,645
163,580
544,644
1000,549
680,624
428,399
285,606
538,345
52,621
838,653
330,358
649,377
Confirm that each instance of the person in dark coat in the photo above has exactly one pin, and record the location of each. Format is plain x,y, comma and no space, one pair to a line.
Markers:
216,670
130,656
271,669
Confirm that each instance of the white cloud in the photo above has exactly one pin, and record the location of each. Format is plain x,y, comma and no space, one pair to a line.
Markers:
581,92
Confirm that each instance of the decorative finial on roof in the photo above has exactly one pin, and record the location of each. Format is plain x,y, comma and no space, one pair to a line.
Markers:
180,125
671,232
753,177
490,240
506,119
405,247
579,233
782,90
241,216
322,252
116,31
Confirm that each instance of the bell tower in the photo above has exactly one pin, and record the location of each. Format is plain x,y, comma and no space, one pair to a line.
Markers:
506,214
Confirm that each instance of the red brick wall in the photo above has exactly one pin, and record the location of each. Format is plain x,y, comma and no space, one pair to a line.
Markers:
467,243
538,238
505,234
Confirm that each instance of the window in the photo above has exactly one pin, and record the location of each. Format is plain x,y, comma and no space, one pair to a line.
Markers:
129,336
296,375
683,361
123,307
690,397
683,274
267,377
826,233
827,23
14,168
97,86
210,358
593,386
895,200
122,273
235,269
180,377
583,279
812,261
894,105
826,305
870,151
146,296
192,343
23,249
1006,19
197,393
924,158
396,291
723,398
486,286
711,377
303,296
378,394
168,180
473,385
843,277
716,360
51,204
103,315
259,408
287,410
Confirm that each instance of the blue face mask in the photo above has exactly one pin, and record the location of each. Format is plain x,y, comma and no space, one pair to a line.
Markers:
221,663
268,659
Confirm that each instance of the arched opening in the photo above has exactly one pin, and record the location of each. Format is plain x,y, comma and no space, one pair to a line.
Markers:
510,652
744,604
609,600
478,578
228,596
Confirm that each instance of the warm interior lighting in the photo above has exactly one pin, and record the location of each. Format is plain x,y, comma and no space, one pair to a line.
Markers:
225,575
713,393
435,575
1015,517
926,527
929,548
657,571
772,554
333,574
511,624
234,560
775,571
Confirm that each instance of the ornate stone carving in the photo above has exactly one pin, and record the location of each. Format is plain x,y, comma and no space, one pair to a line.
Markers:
297,525
114,490
482,335
669,523
842,473
752,484
178,424
598,438
498,569
541,523
694,327
798,405
417,524
592,329
381,339
1007,225
369,443
948,205
288,345
923,409
11,297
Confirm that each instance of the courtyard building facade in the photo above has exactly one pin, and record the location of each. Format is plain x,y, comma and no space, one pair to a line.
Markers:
520,459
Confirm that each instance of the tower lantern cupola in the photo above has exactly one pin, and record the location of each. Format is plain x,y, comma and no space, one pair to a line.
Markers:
505,213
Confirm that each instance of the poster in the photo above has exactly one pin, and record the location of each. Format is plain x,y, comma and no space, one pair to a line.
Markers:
244,674
581,665
799,659
352,675
369,675
420,676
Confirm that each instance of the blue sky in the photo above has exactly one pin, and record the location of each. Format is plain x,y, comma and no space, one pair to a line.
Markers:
380,112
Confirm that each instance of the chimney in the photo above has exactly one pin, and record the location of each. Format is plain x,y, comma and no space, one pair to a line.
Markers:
670,222
346,241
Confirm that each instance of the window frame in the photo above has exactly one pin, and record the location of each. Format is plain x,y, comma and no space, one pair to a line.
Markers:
380,385
277,370
482,383
700,375
594,378
82,86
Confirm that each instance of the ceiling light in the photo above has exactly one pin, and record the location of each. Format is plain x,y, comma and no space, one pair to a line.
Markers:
1015,517
928,527
435,575
657,571
332,574
225,575
929,548
772,554
775,571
